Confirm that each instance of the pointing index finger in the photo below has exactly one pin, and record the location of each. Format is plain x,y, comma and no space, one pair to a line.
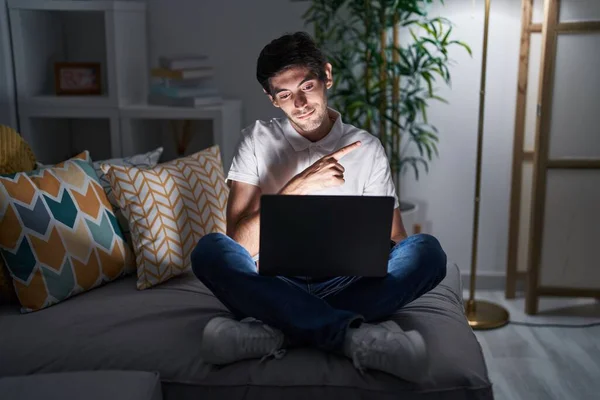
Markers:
337,155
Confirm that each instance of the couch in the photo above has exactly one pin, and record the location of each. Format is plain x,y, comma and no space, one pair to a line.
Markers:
116,329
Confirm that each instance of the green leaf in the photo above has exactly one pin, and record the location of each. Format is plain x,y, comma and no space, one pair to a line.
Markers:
464,45
424,111
439,99
445,39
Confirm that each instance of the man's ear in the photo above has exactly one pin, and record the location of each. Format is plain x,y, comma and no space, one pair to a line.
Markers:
328,76
271,99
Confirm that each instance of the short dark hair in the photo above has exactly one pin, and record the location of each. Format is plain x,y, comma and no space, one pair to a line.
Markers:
291,50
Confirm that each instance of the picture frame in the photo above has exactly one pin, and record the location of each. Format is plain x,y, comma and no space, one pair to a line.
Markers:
77,78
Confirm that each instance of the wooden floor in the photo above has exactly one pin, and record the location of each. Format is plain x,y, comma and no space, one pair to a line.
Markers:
531,363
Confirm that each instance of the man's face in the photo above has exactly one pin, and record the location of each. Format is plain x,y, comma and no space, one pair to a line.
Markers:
302,97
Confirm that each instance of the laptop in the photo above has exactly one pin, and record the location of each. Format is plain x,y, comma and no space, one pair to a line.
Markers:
325,236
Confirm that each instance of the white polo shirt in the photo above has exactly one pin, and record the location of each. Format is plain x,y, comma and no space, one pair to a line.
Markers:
270,153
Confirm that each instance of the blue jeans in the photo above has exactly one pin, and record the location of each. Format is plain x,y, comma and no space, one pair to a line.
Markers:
310,313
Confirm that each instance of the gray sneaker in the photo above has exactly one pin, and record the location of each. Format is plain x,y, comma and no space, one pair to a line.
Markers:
227,340
386,347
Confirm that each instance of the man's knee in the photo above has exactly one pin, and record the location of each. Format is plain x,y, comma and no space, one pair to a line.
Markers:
206,252
433,257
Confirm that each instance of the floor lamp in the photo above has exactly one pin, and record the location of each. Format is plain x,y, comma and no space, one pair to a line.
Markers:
481,314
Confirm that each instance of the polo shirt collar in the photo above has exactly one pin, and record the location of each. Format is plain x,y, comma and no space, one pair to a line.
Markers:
328,143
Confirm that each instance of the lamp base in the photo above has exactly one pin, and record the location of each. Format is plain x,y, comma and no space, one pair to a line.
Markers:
485,315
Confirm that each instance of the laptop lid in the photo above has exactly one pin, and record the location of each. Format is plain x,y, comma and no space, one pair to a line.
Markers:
325,236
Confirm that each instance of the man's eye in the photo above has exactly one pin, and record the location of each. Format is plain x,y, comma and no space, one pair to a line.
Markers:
284,96
308,87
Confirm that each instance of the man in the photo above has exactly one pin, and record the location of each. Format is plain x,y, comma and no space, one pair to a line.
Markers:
311,151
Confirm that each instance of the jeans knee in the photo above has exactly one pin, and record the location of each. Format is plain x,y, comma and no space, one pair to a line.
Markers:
435,257
205,252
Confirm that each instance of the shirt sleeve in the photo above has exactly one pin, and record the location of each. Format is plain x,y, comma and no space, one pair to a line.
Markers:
244,167
380,182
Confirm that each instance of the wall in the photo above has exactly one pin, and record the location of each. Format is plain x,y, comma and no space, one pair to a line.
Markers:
453,174
218,28
448,190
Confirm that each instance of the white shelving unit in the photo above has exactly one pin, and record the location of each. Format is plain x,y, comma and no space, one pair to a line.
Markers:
112,33
224,122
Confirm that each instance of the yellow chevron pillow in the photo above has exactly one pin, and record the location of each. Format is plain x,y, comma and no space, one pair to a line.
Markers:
169,208
15,156
58,234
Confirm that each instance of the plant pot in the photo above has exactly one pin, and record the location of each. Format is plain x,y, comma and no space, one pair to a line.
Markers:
409,212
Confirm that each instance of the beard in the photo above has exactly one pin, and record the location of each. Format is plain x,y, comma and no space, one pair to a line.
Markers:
313,121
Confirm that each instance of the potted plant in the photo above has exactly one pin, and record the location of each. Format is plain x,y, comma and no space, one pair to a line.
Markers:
382,85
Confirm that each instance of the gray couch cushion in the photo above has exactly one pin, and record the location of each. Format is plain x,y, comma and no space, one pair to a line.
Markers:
159,329
89,385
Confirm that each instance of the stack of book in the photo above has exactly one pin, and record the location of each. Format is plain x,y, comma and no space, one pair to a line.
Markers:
183,81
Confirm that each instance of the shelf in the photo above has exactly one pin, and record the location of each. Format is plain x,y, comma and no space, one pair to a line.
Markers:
51,101
140,122
91,107
110,33
67,107
149,111
118,122
57,5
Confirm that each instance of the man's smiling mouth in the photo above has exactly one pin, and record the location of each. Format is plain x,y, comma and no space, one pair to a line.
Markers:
308,114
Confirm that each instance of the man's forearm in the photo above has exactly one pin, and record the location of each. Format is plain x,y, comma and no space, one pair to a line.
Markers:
246,232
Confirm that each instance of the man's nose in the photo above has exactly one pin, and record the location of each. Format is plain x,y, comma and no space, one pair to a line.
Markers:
300,100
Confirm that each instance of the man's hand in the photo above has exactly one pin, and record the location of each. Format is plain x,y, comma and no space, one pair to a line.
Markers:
325,172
